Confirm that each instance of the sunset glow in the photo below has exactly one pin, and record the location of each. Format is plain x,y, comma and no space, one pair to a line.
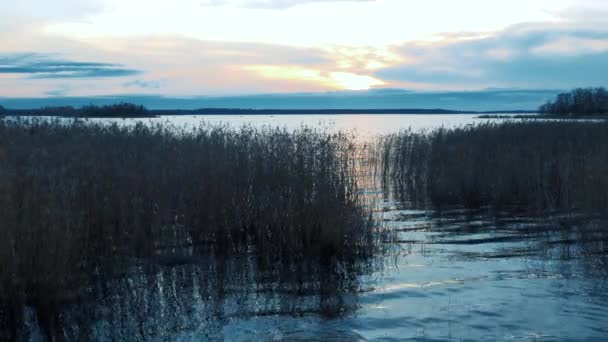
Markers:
193,47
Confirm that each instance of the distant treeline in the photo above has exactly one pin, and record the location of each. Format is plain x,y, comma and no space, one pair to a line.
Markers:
251,111
132,110
580,101
92,111
115,110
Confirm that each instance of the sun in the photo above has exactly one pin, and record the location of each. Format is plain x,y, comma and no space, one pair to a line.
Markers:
334,80
349,81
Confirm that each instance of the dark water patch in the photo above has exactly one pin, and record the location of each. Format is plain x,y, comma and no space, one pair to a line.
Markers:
408,242
433,320
318,335
455,289
427,339
412,227
482,327
599,330
508,254
497,239
490,314
388,295
387,323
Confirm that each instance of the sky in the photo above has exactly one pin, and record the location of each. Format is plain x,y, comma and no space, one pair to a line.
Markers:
223,48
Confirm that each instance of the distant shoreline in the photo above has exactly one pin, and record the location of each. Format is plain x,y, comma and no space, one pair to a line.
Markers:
544,117
151,113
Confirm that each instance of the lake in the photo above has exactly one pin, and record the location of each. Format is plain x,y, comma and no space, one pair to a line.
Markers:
362,125
451,275
464,276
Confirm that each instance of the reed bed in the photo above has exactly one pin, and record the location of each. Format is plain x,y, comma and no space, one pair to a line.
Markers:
532,166
82,205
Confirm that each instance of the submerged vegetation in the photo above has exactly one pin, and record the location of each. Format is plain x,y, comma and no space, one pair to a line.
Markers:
85,206
534,166
578,102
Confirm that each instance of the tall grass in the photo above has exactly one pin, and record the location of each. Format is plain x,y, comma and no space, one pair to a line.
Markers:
81,205
534,166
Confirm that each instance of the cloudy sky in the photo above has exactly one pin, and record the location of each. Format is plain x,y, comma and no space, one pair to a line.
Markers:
226,47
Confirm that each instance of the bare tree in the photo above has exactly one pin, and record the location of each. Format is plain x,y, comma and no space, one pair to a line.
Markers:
580,101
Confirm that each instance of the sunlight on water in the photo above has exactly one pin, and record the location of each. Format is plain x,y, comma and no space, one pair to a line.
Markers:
364,126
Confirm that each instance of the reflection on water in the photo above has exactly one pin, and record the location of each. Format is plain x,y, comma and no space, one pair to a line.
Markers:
462,275
455,275
465,275
363,125
204,299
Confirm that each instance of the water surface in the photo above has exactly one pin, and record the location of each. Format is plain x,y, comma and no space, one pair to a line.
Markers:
461,275
363,125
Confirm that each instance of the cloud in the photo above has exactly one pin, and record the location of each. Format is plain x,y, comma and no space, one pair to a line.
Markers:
206,53
204,50
564,46
152,84
39,66
530,56
169,64
50,10
271,4
60,91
